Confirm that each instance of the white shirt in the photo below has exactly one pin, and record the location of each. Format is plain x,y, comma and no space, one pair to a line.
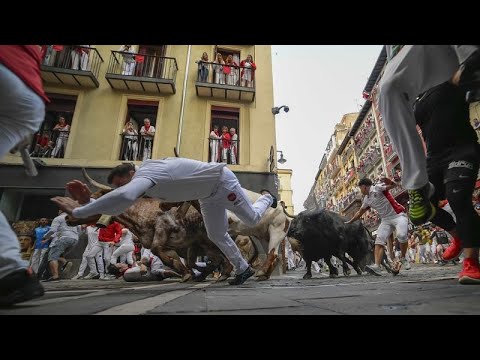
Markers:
61,229
145,133
378,201
92,234
178,179
157,267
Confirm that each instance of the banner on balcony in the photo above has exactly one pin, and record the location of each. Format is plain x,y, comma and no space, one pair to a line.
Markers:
139,59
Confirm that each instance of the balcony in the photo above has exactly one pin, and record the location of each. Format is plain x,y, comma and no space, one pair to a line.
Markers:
50,144
225,151
396,191
136,147
225,82
71,65
362,139
140,72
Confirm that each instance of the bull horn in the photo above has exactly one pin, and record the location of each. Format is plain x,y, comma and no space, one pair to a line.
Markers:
175,152
93,182
182,209
285,211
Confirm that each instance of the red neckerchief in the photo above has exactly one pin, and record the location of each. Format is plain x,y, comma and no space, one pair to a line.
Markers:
147,127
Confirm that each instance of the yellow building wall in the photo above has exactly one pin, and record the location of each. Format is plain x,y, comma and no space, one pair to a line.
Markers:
285,191
100,114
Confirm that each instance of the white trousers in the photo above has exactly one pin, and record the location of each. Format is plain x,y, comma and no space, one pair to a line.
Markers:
124,249
90,261
37,257
104,250
21,114
79,59
413,71
230,195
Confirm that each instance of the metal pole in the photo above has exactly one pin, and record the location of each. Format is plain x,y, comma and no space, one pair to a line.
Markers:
184,93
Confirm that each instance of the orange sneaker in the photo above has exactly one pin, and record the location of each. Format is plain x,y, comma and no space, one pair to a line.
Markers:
453,251
470,273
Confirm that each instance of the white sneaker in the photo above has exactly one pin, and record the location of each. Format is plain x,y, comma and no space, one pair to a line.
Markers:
77,277
405,263
374,269
91,276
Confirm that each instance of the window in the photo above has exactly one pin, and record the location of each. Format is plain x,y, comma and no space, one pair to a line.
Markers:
52,138
139,130
224,139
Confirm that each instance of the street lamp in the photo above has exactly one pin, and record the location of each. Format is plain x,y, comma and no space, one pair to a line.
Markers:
282,160
276,110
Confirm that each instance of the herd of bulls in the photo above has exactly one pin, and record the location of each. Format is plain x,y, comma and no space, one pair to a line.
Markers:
174,230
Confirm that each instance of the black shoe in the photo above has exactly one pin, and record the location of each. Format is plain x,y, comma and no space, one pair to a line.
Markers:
241,278
19,286
65,266
274,203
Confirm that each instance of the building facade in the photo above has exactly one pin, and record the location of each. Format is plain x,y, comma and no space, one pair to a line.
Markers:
285,192
367,152
127,103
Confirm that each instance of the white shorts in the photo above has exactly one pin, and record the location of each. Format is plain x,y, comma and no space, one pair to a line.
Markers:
398,223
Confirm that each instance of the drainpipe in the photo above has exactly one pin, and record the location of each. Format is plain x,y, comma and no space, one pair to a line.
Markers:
184,93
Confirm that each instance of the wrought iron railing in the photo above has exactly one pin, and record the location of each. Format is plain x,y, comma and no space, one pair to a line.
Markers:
74,57
142,65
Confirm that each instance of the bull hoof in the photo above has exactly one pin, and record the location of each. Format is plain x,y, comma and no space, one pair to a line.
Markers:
307,276
260,273
186,277
262,278
333,275
347,272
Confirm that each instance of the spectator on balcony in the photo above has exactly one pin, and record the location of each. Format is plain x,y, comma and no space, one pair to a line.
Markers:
148,132
128,64
248,71
79,55
49,54
62,129
203,68
130,144
214,144
234,146
226,143
230,69
218,69
41,144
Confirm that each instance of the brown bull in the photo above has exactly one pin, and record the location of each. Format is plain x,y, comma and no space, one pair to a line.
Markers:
271,230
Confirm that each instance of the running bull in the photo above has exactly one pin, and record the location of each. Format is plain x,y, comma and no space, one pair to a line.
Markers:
323,234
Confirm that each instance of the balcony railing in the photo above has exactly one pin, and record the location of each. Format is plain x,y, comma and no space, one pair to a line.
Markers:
397,191
51,144
348,200
136,147
73,65
225,81
141,72
364,138
226,151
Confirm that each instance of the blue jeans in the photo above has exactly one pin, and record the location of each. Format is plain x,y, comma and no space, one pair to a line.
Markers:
202,73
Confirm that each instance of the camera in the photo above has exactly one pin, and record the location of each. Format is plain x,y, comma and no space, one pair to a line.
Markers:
286,109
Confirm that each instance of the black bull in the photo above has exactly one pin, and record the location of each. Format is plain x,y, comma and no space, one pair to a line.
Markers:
323,234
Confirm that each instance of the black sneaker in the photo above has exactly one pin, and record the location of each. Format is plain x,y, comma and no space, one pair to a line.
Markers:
274,203
241,278
421,209
19,286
